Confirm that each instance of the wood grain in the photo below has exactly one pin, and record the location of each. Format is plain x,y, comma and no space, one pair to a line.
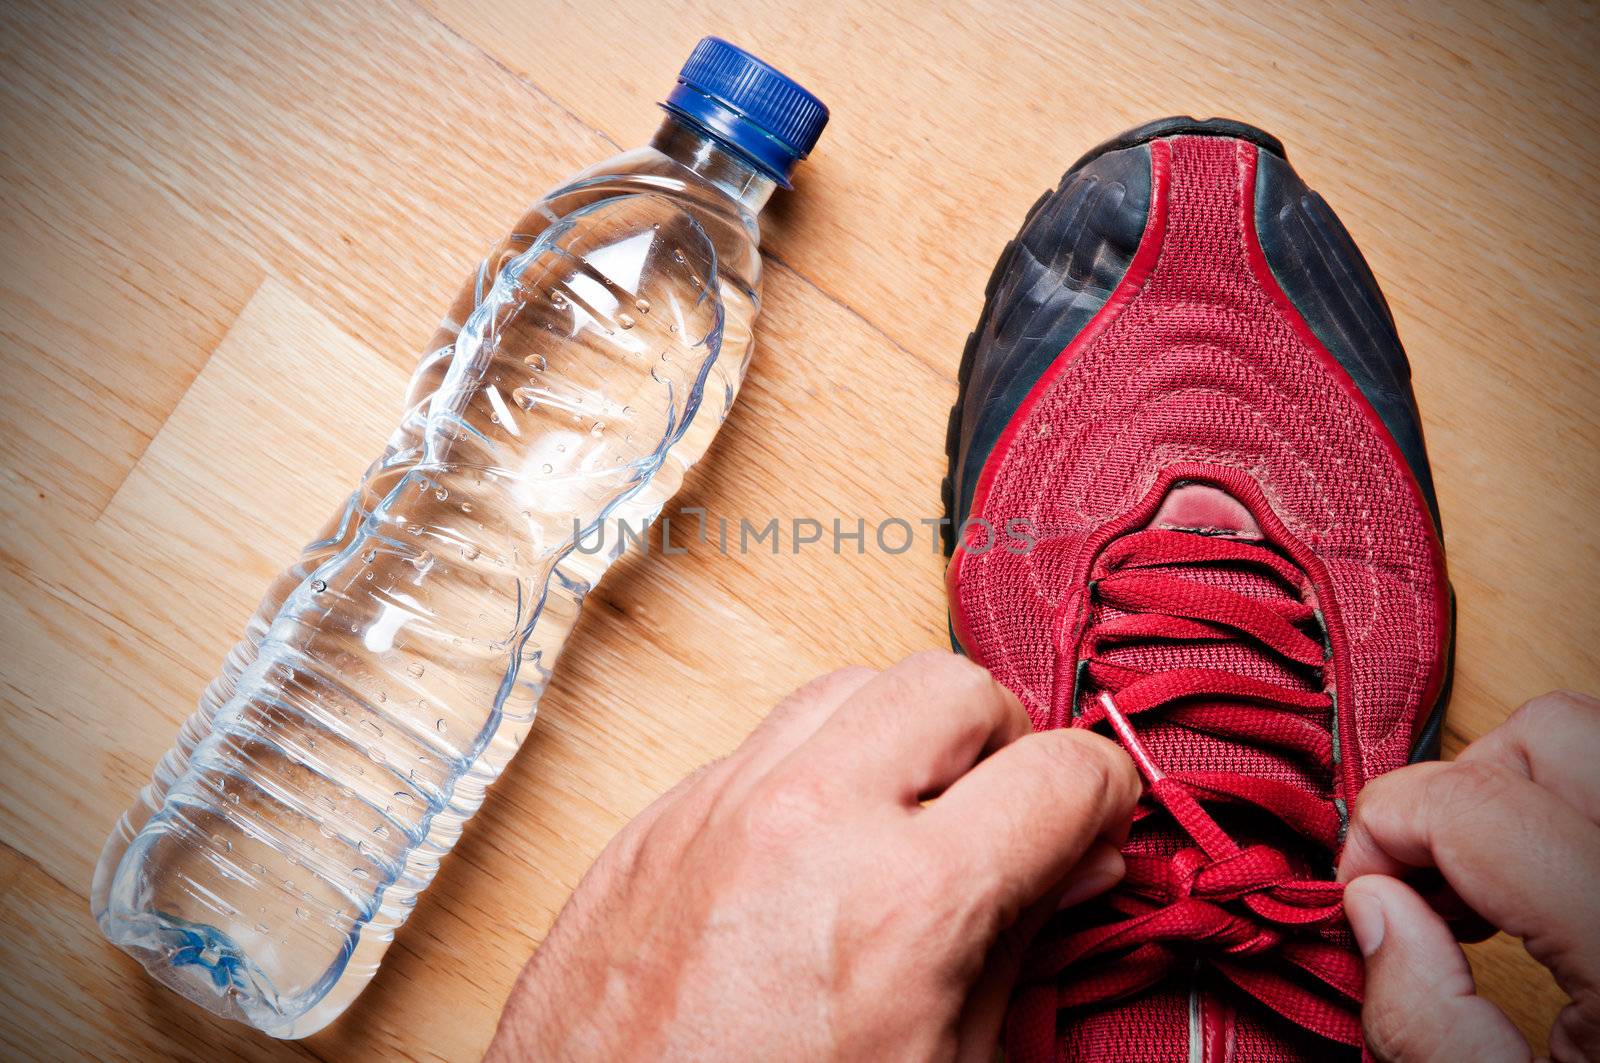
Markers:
226,229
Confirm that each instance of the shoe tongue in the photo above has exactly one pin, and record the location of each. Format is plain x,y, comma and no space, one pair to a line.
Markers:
1204,510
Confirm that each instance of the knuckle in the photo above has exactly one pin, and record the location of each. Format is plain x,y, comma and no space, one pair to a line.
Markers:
854,673
1467,785
1558,708
950,672
840,678
783,810
936,680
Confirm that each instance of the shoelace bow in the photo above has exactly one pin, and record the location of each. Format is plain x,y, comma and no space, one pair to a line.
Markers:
1243,910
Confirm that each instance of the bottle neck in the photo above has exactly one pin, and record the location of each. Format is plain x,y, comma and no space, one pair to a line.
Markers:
704,155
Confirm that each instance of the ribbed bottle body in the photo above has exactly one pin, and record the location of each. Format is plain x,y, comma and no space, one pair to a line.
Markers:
391,673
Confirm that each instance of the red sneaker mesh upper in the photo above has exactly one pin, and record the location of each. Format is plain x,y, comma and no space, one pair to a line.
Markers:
1200,365
1199,368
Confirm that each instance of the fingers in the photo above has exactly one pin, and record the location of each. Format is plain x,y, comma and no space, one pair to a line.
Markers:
1027,814
913,729
1100,868
1518,855
797,717
791,722
1553,740
1420,1003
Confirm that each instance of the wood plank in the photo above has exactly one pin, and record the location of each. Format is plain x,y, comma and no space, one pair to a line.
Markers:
227,229
49,1015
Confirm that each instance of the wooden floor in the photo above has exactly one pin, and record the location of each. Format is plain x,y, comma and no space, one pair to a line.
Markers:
227,229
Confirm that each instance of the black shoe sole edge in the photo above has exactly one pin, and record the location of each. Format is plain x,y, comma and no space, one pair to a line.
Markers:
1185,126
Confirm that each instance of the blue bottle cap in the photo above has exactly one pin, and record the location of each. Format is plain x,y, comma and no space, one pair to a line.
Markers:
747,105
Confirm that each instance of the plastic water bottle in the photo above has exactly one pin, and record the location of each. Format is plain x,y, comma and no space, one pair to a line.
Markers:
390,674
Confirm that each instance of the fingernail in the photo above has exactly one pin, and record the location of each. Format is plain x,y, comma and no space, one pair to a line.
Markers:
1365,913
1096,873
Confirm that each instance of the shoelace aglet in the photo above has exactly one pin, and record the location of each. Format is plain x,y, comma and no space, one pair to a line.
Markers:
1130,740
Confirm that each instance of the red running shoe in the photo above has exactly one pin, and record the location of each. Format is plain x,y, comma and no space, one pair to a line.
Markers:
1194,512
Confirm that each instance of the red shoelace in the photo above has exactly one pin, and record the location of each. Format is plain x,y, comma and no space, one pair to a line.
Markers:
1249,912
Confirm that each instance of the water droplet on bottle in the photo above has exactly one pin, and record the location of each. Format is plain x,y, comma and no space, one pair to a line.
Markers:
402,797
222,843
642,305
415,670
441,494
318,586
547,468
673,328
525,397
678,255
370,556
423,561
369,575
233,799
537,362
470,551
625,320
466,507
441,726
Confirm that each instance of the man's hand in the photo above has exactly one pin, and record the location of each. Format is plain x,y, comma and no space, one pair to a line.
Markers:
858,879
1512,826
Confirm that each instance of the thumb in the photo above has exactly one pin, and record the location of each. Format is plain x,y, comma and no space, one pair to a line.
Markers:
1421,1004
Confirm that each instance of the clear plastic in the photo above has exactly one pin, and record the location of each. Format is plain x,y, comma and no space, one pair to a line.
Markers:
390,674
